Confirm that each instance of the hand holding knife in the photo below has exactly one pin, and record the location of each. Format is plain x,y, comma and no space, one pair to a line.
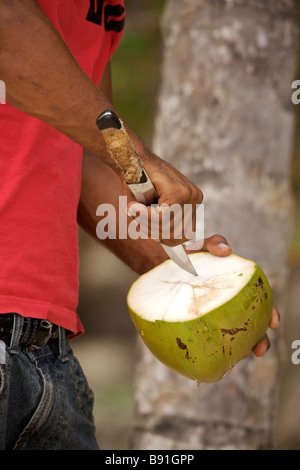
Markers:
124,154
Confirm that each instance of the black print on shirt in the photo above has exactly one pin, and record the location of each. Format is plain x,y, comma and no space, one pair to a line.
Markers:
111,13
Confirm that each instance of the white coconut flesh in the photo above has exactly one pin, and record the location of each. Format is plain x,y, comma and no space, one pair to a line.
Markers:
171,294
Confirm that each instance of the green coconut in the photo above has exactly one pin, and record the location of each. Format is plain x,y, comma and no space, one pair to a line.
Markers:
201,326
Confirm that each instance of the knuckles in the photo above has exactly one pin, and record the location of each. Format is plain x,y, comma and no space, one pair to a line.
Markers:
184,194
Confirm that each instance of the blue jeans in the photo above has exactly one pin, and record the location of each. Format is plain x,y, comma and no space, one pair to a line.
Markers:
45,401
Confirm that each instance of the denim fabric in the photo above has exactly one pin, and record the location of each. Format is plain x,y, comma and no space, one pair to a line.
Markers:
45,401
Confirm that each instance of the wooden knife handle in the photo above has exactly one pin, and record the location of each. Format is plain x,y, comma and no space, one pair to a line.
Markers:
120,147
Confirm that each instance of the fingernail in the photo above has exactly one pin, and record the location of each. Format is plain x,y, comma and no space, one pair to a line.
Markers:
223,246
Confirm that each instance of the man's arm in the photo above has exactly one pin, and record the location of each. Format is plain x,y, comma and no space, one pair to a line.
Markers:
100,185
44,80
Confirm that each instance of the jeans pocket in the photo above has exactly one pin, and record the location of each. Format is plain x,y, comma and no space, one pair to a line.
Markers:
4,370
84,394
39,399
4,382
3,391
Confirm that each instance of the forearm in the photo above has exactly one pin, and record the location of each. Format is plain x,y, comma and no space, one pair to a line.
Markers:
101,185
44,80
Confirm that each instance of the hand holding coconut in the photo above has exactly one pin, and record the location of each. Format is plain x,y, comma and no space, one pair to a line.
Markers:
255,341
199,326
202,326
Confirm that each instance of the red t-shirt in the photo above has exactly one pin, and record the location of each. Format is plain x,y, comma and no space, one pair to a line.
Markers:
40,170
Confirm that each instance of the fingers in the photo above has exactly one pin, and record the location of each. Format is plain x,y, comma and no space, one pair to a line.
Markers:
150,222
176,218
262,347
217,245
172,225
275,319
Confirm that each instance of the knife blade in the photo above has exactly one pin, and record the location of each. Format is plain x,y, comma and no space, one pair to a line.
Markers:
128,161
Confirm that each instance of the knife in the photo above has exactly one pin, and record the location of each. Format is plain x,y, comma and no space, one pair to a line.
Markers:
124,154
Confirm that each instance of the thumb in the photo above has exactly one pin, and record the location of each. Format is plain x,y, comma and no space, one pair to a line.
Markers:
216,245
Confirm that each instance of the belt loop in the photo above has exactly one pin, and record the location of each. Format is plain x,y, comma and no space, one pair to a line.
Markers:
63,344
16,333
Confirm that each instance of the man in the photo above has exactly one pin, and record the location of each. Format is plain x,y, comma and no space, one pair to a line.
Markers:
55,170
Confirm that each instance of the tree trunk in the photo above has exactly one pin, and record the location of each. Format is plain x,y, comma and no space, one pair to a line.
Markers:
226,121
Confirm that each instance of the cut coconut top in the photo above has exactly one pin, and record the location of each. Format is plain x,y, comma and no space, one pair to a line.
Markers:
169,293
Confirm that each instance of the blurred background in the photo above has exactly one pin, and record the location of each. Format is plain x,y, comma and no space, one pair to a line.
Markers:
107,350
